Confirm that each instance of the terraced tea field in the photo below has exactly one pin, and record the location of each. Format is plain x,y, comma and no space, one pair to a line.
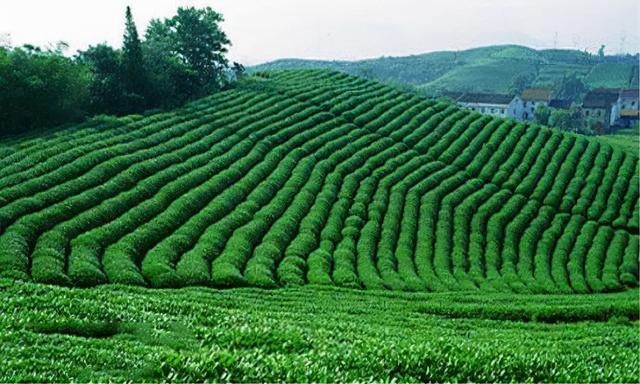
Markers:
317,181
316,177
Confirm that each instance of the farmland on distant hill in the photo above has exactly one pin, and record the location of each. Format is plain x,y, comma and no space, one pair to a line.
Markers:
489,76
549,74
611,75
487,69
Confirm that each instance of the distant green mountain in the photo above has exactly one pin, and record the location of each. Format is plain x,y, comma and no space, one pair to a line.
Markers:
485,69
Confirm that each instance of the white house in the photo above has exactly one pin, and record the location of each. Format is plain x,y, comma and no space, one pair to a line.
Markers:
489,103
625,111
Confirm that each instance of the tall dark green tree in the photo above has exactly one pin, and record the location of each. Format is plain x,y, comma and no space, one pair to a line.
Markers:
201,42
134,76
187,52
106,92
172,82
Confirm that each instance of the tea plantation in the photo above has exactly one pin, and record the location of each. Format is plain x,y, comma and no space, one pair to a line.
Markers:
520,243
313,176
313,334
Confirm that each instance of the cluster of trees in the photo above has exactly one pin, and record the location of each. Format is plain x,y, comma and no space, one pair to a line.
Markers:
569,120
179,59
40,88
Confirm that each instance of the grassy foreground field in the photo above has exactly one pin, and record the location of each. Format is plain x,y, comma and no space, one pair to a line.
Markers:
115,333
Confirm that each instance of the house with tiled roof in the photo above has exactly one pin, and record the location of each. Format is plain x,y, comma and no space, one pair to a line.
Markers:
490,103
531,98
598,109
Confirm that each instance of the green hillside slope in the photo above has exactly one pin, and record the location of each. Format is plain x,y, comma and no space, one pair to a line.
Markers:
484,69
490,76
318,177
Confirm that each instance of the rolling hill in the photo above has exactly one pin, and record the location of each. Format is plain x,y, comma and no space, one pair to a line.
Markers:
317,177
485,69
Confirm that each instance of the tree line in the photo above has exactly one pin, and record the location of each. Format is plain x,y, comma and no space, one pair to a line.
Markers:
179,59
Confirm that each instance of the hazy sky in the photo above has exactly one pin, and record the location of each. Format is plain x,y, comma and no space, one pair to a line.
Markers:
263,30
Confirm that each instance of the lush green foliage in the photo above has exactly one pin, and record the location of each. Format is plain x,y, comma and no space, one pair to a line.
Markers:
314,176
182,58
40,89
313,334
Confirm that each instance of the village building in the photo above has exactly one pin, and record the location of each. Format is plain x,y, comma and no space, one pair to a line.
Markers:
626,108
488,103
598,111
531,98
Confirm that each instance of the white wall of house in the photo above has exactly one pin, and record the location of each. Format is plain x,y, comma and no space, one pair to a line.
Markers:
623,104
512,110
516,108
628,103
